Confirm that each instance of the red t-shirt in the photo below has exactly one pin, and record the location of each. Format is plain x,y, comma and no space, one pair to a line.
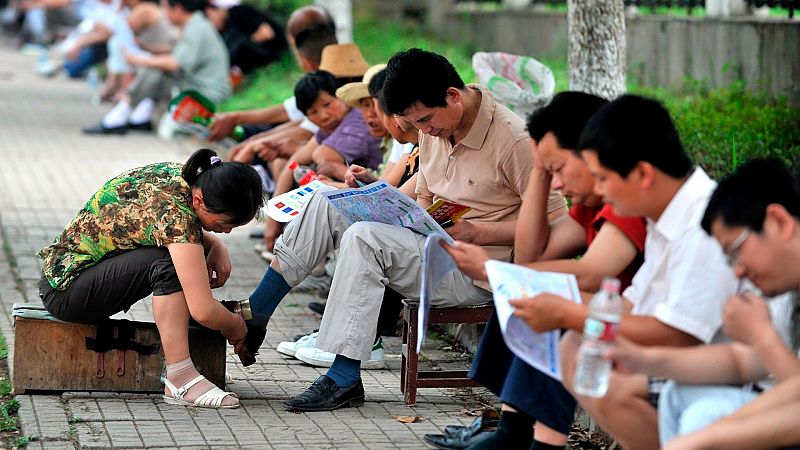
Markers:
635,228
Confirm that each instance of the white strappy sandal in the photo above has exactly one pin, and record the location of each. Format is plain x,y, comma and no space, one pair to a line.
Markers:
209,399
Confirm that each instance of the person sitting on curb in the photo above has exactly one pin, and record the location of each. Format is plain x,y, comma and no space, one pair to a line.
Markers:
641,169
343,136
199,61
304,348
146,232
536,408
485,147
309,30
755,216
253,38
146,28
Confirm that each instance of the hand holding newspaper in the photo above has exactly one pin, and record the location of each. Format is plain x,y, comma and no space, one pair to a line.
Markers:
511,281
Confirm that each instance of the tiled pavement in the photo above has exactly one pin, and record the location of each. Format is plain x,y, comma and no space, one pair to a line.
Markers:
47,170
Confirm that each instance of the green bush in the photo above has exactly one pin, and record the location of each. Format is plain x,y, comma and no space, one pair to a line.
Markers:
721,128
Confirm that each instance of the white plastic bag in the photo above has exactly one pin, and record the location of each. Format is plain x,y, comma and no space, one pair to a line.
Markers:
521,83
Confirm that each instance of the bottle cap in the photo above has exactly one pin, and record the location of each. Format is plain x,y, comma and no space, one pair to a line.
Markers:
293,165
610,284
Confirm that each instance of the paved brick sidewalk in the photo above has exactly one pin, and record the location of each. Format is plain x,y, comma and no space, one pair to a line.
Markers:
47,171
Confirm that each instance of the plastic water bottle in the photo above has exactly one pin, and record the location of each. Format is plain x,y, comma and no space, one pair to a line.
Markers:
302,174
93,79
599,332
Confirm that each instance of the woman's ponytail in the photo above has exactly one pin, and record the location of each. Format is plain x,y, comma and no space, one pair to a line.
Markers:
229,188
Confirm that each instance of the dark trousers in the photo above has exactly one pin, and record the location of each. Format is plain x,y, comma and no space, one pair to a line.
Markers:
390,311
528,390
112,285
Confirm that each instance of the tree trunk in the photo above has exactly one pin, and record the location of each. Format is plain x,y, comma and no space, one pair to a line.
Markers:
342,12
596,30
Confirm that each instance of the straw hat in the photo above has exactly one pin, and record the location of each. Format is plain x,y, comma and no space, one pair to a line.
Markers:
343,60
351,93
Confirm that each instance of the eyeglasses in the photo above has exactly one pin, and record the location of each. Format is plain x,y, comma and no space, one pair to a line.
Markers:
731,251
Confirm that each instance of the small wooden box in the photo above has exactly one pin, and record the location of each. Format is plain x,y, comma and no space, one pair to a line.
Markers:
54,356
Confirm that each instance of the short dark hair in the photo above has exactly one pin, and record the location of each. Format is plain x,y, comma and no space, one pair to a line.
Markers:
632,129
189,5
311,41
375,86
741,199
418,76
564,116
229,188
309,86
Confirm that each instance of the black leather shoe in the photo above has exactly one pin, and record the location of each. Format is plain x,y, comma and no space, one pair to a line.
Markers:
145,126
459,436
486,421
324,395
102,129
456,442
317,307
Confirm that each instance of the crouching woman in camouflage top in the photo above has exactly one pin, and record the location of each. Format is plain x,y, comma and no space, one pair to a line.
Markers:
146,231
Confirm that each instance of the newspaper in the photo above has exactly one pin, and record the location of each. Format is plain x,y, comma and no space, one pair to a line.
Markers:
285,207
383,203
436,264
511,281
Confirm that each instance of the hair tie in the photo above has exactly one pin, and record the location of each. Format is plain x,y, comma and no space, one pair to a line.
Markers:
215,160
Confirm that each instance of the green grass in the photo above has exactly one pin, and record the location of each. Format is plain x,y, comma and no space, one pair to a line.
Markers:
720,128
9,406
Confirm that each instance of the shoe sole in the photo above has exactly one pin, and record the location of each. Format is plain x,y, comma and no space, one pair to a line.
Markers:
365,365
286,352
352,403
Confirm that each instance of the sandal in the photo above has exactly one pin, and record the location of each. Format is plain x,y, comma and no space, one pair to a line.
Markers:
212,398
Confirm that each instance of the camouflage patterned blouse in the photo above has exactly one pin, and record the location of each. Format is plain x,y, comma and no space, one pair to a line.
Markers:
144,207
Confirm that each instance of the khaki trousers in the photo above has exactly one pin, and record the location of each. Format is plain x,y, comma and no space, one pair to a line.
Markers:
372,256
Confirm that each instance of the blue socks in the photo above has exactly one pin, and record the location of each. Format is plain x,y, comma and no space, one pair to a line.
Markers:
269,293
344,371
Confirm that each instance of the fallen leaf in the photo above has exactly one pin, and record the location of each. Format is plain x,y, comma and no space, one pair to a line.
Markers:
407,419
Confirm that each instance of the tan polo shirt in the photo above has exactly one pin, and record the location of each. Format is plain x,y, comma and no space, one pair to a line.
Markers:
488,170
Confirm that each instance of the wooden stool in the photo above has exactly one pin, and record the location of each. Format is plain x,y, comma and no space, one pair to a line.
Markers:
411,378
115,355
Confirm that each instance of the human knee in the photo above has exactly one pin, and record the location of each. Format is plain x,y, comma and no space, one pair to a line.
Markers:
363,234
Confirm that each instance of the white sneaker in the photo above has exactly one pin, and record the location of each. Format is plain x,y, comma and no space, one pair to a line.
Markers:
320,358
267,256
290,348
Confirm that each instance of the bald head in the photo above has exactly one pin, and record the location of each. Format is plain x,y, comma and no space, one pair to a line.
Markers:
309,17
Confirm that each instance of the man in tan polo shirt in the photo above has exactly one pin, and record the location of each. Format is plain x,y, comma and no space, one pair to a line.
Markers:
473,151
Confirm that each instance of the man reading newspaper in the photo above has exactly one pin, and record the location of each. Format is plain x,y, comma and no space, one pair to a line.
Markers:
473,151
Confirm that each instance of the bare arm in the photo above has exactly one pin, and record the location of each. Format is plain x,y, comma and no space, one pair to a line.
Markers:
704,364
394,171
610,253
746,319
99,34
546,312
767,422
263,33
329,162
533,229
269,115
162,62
409,186
190,265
